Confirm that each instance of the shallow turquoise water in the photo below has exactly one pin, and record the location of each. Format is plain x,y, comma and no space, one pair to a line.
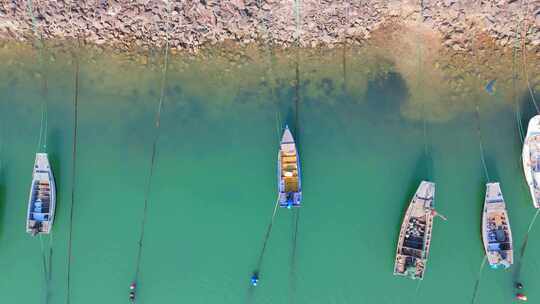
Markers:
214,187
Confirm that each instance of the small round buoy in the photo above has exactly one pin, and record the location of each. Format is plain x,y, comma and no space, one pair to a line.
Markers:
132,286
521,297
254,279
519,285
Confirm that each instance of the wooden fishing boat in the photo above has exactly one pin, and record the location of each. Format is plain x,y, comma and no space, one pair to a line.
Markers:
289,181
415,235
42,198
531,159
496,232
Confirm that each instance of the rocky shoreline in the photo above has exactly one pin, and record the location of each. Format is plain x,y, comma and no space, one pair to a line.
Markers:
191,25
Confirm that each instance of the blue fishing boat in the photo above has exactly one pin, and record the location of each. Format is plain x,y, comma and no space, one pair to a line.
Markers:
289,181
42,197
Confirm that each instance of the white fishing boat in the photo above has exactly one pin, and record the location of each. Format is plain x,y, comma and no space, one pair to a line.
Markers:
415,234
42,197
496,232
289,181
531,159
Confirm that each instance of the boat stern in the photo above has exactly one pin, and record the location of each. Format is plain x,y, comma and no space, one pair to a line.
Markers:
290,199
410,267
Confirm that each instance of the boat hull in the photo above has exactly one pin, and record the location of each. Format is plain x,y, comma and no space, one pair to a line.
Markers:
415,234
288,172
531,159
496,232
42,197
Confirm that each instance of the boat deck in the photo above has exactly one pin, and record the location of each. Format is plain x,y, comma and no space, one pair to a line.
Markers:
496,228
289,171
415,234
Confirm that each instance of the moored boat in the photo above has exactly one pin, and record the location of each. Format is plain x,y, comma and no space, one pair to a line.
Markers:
42,199
415,234
531,159
496,232
289,181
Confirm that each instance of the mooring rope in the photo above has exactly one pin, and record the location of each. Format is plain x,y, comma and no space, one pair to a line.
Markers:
76,74
296,213
423,111
483,159
296,220
154,147
416,292
477,282
297,72
50,256
46,256
45,269
73,174
514,94
478,121
40,46
531,224
481,144
272,80
297,100
266,238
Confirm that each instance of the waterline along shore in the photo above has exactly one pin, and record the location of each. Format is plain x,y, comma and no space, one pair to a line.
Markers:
190,25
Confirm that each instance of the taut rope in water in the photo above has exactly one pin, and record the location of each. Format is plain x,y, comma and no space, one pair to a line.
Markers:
486,173
73,174
154,147
266,238
47,265
296,220
76,60
481,144
423,112
40,47
514,95
477,283
478,122
268,47
296,213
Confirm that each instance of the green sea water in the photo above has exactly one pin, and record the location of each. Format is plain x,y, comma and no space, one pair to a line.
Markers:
363,124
